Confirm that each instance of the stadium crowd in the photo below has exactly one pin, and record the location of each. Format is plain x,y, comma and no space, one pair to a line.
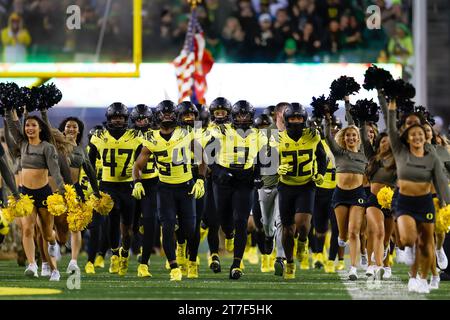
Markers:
235,30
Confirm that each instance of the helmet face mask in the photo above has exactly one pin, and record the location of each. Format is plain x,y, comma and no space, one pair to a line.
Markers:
220,109
295,117
166,115
186,113
117,117
242,114
141,116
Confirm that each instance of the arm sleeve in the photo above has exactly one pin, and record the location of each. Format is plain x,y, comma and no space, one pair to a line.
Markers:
384,106
65,169
11,144
440,182
13,128
334,147
396,144
90,173
92,156
321,158
348,116
7,174
368,148
44,115
51,157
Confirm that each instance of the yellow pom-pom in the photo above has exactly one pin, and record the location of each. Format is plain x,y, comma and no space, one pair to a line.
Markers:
80,216
103,205
4,229
56,204
384,197
7,215
22,207
71,197
443,220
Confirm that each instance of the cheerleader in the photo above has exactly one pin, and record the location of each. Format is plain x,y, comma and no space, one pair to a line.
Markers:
417,171
381,173
349,198
73,129
38,158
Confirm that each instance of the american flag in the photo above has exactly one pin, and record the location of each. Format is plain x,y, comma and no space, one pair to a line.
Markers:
193,64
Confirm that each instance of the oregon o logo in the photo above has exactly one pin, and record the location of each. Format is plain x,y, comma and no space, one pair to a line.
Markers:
360,201
430,216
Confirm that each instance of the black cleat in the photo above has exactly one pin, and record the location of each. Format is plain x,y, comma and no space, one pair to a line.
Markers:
215,264
279,267
235,273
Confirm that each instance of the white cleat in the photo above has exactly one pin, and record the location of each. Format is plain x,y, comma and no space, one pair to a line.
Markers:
341,243
73,267
410,256
364,262
387,273
442,260
413,284
55,275
54,251
353,274
379,272
422,286
46,271
370,270
32,270
434,282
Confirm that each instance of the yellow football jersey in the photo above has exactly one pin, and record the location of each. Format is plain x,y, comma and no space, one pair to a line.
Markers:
300,155
150,171
117,156
329,179
173,157
235,151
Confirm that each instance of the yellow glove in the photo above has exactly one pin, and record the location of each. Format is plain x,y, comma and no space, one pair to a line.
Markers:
138,191
284,169
318,179
198,190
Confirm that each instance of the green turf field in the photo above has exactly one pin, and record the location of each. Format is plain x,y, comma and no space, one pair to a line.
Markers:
311,284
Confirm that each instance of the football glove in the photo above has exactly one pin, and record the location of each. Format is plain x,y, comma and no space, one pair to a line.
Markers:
284,169
318,179
198,190
258,183
138,191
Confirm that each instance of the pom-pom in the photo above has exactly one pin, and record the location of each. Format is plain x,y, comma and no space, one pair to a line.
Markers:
426,114
10,95
384,197
405,106
443,220
365,111
376,78
344,86
4,229
322,106
102,205
8,215
50,95
56,204
79,218
20,208
399,89
33,98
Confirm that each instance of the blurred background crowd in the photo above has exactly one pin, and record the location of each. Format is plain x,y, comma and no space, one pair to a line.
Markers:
236,30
